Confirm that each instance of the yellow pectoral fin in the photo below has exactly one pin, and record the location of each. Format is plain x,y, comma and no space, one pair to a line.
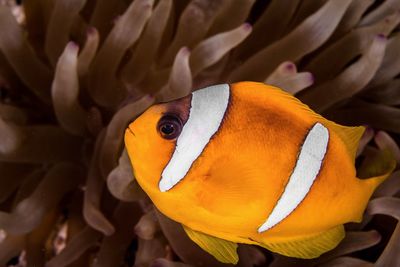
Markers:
222,250
308,247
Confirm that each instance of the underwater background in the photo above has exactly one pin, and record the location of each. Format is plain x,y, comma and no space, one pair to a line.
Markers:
74,73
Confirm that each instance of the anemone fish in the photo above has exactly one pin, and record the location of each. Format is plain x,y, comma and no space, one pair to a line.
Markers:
249,163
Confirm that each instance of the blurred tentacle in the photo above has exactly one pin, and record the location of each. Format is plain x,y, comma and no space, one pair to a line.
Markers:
113,247
387,7
285,76
29,213
211,50
88,52
180,79
103,86
385,141
376,115
28,186
193,25
146,51
365,139
147,226
187,250
36,144
269,27
10,247
75,248
390,187
347,262
386,93
121,182
26,64
36,240
304,10
65,89
308,36
344,86
11,137
104,13
354,241
349,47
166,263
148,251
64,13
12,176
13,114
388,206
351,17
390,66
114,134
232,15
93,193
37,14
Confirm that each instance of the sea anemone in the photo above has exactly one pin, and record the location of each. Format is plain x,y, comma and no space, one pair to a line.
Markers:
74,73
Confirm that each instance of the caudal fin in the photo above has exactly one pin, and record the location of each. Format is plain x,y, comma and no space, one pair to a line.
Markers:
377,168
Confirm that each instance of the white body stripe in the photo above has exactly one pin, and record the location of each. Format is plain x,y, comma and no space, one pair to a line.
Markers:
207,110
304,173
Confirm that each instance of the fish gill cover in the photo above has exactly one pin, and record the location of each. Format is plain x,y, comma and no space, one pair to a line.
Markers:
74,73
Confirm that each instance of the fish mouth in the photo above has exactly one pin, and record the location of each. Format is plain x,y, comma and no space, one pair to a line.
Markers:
131,131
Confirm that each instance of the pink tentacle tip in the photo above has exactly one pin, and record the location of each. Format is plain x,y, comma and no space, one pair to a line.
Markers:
368,130
290,67
311,77
380,134
157,263
116,19
247,26
72,46
185,50
381,37
91,30
149,98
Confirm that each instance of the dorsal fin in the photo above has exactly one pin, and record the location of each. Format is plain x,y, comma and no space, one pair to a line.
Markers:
222,250
309,247
349,135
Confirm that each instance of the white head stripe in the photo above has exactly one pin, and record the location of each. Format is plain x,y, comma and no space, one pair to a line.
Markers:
304,173
207,110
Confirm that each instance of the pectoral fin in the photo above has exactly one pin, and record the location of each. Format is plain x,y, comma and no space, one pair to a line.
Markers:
222,250
309,247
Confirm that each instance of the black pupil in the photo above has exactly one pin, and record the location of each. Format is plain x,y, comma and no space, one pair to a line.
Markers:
170,126
168,129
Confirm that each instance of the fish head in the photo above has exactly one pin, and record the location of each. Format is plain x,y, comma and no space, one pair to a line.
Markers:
151,139
206,153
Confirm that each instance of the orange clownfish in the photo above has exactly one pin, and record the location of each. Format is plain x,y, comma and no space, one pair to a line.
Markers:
249,163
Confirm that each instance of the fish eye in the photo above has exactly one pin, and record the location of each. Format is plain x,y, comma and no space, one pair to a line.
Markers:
169,126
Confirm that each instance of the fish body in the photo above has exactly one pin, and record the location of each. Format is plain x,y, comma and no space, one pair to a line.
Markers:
249,163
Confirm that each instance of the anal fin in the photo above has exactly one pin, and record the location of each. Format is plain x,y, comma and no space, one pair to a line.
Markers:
309,247
222,250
